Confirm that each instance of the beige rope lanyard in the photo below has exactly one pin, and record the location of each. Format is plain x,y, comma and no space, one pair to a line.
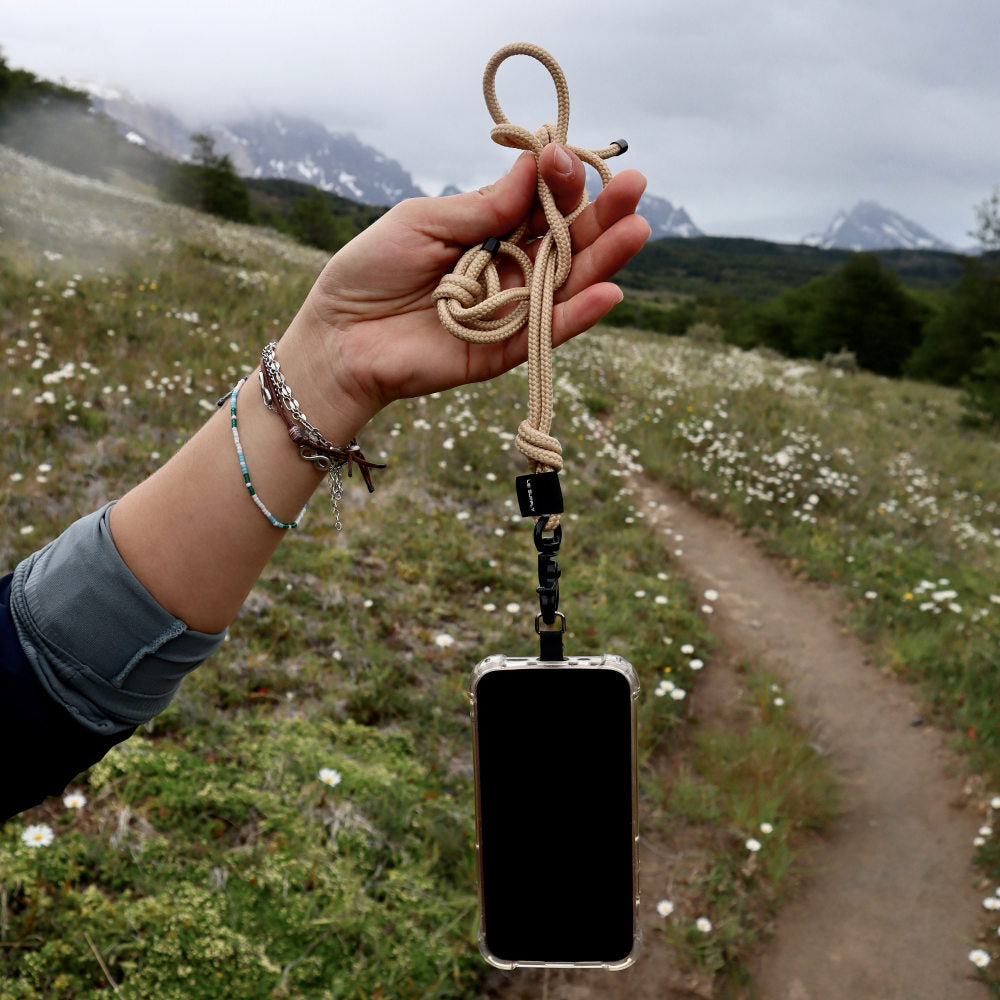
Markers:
473,307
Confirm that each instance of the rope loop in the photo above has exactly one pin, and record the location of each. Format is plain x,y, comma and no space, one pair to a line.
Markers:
471,302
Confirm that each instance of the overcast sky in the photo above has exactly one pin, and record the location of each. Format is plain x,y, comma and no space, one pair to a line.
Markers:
760,117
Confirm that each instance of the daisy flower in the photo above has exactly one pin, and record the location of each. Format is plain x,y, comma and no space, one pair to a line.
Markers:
329,776
664,907
37,835
703,924
74,800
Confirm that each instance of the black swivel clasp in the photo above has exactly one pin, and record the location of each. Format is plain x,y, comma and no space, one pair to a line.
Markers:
548,591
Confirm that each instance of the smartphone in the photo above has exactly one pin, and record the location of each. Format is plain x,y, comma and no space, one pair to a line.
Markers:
556,811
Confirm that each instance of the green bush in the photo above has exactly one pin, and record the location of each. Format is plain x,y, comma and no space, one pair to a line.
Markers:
982,385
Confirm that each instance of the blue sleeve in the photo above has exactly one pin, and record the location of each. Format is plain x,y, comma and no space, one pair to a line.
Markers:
50,748
99,643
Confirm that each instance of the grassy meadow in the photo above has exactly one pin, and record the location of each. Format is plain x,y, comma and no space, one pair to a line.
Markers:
299,822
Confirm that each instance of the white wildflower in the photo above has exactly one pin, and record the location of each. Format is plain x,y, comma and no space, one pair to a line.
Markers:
37,835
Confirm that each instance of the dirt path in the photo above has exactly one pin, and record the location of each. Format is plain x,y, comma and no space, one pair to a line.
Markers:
887,911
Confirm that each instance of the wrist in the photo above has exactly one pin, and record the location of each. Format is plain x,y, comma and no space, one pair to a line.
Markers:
310,354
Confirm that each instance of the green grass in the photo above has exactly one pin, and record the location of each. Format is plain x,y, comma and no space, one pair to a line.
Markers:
743,799
210,859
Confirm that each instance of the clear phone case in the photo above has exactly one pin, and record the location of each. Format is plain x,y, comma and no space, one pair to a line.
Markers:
546,837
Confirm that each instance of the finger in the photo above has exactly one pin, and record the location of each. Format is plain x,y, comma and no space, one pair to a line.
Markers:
607,255
467,219
619,199
568,320
565,176
583,311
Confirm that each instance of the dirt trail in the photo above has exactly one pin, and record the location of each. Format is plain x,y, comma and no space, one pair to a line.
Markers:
887,910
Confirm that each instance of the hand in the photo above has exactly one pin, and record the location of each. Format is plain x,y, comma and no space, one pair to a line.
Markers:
370,327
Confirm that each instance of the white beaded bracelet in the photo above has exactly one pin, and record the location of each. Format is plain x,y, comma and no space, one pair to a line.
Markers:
284,525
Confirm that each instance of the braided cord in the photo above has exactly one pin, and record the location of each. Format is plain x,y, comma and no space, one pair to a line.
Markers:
470,298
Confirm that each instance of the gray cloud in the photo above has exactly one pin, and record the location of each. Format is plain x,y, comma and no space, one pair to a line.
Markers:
762,118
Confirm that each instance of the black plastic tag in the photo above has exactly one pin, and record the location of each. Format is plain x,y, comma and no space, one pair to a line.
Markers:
539,494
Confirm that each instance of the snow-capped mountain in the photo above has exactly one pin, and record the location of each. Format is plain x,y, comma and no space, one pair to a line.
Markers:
303,150
267,146
663,218
869,226
666,220
145,125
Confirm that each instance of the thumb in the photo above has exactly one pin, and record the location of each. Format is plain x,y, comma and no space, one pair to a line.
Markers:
493,210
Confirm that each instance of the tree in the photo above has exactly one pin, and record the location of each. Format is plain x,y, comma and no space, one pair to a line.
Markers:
210,183
982,385
866,311
955,337
987,230
312,222
862,309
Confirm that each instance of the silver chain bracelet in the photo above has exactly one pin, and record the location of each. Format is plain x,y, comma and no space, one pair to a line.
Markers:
269,361
313,447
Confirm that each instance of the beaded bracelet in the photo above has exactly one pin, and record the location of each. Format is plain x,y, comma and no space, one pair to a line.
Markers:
284,525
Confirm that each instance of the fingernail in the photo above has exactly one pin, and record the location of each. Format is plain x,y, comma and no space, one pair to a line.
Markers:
523,156
562,160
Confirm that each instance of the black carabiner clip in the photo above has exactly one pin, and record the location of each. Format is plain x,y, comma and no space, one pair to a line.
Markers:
550,546
548,586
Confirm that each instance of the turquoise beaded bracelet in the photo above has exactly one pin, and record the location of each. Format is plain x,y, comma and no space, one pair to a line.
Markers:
284,525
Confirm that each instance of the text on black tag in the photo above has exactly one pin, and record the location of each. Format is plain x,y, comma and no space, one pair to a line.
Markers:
539,494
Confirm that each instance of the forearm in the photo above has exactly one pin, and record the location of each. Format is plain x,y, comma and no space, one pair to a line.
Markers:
191,533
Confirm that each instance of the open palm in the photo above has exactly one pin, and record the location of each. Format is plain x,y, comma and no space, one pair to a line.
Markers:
373,302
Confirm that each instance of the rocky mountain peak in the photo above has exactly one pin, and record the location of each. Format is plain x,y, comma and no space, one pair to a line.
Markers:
869,226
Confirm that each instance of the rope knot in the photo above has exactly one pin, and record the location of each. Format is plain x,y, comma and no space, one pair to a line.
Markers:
541,449
471,302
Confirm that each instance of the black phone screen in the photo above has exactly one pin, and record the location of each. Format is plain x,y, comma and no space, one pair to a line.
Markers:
554,750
